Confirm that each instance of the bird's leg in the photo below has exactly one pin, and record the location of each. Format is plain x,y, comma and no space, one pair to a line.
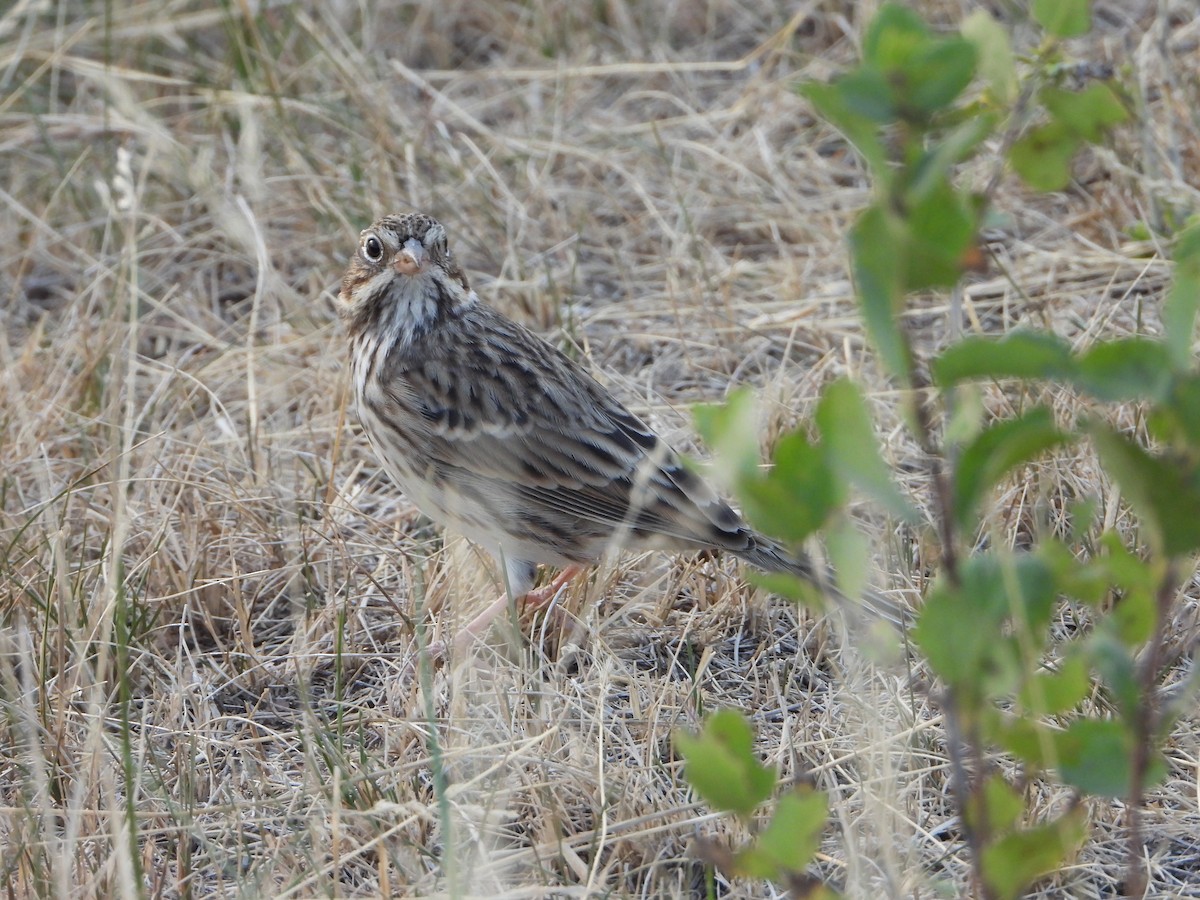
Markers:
532,600
543,596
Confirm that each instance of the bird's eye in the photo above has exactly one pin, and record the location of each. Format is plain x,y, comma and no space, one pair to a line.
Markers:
372,249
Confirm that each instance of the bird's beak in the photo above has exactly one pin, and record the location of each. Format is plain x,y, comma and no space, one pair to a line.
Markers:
411,258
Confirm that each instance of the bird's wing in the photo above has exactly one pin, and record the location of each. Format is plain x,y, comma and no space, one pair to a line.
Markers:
511,415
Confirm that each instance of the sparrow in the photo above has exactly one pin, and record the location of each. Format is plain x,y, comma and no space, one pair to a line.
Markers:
494,432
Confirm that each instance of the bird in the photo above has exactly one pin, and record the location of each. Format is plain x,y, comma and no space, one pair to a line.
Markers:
494,432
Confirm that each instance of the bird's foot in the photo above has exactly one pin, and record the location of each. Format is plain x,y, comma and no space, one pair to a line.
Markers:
533,601
540,598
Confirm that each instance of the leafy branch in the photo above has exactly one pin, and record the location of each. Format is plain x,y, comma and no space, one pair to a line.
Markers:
917,107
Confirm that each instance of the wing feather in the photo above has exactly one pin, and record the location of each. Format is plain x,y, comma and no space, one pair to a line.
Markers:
519,420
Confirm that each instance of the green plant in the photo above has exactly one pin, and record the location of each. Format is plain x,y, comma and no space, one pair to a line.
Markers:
721,766
1007,682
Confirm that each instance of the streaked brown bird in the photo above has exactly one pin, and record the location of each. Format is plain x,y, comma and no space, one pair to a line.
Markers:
495,433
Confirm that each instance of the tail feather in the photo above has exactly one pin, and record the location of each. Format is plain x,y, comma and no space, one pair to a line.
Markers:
770,557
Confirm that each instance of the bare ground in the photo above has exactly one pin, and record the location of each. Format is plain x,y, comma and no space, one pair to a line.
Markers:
210,592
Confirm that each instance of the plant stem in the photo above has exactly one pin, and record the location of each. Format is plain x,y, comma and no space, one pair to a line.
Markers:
1145,722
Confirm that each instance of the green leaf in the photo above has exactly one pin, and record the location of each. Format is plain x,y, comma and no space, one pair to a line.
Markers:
960,629
1125,369
850,554
933,169
866,94
1134,616
875,240
1164,493
721,766
1126,569
895,35
797,496
1095,755
751,862
1177,420
1027,738
1021,354
1051,693
956,638
966,416
1063,18
937,74
1024,585
1179,317
1016,860
848,435
997,808
1042,156
790,587
941,228
1088,581
997,66
1087,113
1113,660
914,71
1082,513
792,838
841,104
1183,299
730,429
996,452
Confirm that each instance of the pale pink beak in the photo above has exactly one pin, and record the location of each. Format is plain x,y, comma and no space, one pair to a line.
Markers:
411,258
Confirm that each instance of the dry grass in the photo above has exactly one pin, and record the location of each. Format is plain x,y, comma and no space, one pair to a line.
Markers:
208,588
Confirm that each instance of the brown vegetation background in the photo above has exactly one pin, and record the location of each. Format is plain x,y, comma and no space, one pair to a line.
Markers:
208,590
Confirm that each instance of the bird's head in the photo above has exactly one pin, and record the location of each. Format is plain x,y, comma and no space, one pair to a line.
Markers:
402,270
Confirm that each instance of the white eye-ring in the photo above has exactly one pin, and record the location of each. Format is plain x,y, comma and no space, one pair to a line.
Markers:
372,249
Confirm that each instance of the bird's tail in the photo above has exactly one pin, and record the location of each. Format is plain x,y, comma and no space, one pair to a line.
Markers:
770,557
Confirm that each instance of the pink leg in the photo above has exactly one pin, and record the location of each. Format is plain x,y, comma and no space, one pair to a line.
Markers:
533,600
543,596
